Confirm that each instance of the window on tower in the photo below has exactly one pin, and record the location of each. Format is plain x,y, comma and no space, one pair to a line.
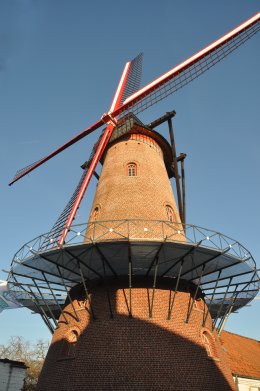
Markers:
170,214
95,213
69,343
208,342
132,169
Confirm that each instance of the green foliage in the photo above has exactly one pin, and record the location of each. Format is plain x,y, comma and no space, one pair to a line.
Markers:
31,354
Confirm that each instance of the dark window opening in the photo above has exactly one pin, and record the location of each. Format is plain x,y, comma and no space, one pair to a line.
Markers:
170,214
69,343
132,169
95,213
209,344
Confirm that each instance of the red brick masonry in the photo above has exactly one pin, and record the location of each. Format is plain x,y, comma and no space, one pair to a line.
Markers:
138,353
145,351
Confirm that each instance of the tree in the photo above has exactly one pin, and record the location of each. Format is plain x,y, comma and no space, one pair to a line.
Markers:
32,355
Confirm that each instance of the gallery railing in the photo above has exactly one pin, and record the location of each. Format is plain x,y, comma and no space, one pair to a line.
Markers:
139,230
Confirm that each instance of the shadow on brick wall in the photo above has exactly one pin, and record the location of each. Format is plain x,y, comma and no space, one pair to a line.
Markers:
123,353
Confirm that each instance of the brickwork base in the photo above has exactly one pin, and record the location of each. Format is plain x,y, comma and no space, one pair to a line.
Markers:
118,352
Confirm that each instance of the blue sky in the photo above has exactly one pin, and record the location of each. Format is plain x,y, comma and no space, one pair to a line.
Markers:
60,62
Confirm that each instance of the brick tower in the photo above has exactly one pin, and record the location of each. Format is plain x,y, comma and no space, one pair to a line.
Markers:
131,330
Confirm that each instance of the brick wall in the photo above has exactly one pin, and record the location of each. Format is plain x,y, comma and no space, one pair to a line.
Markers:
144,196
120,196
118,352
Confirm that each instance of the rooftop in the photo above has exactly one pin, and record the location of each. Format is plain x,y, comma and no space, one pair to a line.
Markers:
13,363
243,354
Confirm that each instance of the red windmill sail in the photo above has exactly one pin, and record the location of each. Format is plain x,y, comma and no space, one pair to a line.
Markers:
129,83
155,91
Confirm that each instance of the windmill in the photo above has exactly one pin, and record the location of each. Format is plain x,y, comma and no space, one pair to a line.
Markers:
123,251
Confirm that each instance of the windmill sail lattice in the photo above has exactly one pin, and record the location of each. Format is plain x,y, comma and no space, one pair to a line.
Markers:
58,226
190,73
182,75
137,102
132,78
56,230
166,84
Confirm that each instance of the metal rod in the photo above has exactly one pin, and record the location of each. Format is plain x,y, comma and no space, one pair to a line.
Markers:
40,286
56,301
82,263
154,286
183,195
211,300
130,271
175,292
26,276
40,270
162,119
230,307
224,278
105,260
98,274
182,257
48,324
222,303
226,267
46,304
38,308
43,314
71,302
175,167
222,321
86,165
45,321
54,263
225,319
239,283
86,291
194,296
205,262
256,289
249,282
107,289
156,256
96,175
47,295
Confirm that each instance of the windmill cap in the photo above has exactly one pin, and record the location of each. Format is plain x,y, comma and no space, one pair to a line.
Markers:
130,124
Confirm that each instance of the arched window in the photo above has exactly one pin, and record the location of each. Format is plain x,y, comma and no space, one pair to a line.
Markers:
73,337
207,341
95,213
69,343
199,304
131,169
169,212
